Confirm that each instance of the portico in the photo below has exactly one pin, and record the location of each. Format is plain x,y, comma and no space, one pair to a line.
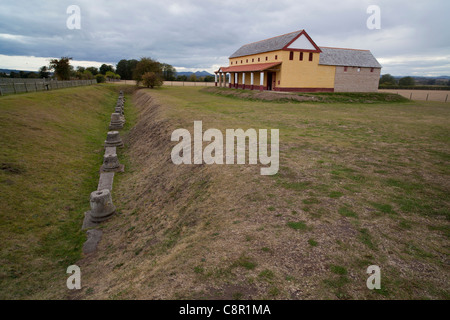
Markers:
253,77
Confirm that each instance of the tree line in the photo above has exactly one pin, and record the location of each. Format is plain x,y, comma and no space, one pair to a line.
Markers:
388,80
146,70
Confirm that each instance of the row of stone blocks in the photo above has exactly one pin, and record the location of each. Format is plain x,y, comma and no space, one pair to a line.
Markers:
101,205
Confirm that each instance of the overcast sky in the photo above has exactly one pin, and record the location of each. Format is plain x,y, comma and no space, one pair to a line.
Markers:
414,38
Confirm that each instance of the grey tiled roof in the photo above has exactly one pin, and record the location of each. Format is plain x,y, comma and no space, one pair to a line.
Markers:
348,58
267,45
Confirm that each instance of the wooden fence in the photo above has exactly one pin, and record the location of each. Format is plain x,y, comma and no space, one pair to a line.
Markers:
17,85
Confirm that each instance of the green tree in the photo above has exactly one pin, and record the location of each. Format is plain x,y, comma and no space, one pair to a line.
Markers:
387,79
169,72
100,78
125,68
105,68
407,81
43,72
193,77
151,80
87,75
146,65
93,70
110,75
61,67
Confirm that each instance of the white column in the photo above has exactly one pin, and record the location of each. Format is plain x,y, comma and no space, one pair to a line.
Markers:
261,80
235,79
251,80
229,80
243,80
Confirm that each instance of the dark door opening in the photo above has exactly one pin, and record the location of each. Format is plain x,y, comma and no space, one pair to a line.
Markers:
269,80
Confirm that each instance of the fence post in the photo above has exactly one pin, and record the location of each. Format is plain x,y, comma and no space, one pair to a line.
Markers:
446,98
427,96
35,85
14,86
410,96
1,91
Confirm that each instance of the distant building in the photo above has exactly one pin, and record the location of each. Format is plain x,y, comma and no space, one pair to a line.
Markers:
293,62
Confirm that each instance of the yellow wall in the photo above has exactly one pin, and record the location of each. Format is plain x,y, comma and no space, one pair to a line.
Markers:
293,73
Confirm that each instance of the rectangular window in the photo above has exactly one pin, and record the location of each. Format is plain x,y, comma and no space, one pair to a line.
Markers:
231,62
246,61
301,56
291,55
276,57
371,69
345,69
241,61
259,59
253,60
266,58
310,56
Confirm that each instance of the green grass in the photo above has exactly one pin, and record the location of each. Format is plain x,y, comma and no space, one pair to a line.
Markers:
375,158
365,180
245,262
347,212
320,97
299,225
50,156
338,270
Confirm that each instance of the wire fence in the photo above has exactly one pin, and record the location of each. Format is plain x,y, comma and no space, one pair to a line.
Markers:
424,95
17,85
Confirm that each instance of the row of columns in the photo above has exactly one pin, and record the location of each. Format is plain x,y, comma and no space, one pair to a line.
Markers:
221,77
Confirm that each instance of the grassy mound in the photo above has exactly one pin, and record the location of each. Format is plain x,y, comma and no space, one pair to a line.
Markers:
322,97
49,161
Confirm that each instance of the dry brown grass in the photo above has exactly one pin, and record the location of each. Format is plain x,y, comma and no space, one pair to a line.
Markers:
223,232
431,95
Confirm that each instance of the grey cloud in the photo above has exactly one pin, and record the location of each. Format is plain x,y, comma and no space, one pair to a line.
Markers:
203,33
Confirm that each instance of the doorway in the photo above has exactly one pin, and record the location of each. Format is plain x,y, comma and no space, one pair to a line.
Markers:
269,80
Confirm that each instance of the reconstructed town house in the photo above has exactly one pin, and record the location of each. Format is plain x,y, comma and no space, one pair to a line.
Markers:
293,62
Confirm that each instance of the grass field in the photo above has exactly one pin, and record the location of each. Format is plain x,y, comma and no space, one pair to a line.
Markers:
359,184
50,156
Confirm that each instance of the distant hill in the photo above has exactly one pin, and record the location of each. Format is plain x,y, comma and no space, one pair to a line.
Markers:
8,71
197,74
419,80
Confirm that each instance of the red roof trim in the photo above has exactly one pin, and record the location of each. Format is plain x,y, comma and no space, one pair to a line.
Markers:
307,37
249,67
